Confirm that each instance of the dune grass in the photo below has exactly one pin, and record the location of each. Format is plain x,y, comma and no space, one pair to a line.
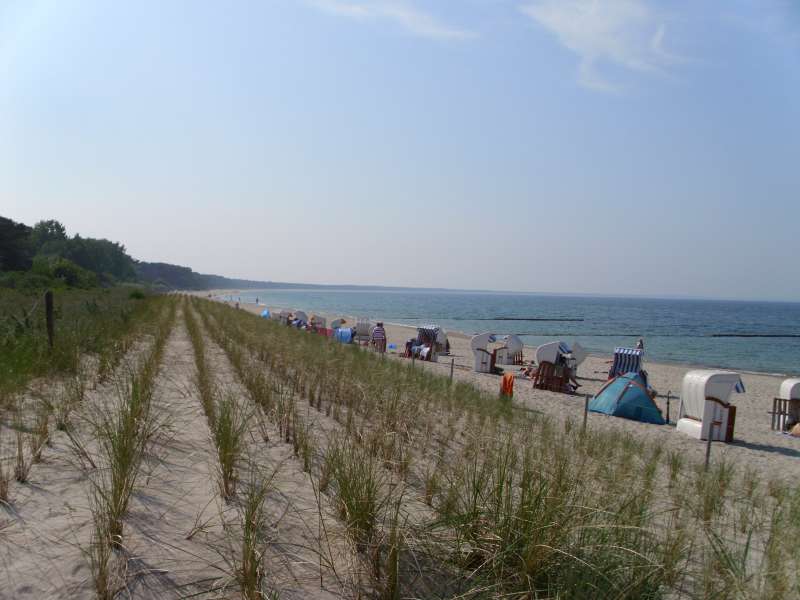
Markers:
227,416
94,323
229,429
250,571
517,505
123,430
203,377
359,488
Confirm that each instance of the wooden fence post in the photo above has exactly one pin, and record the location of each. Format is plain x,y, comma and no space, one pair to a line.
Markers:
48,313
452,364
669,396
585,410
708,446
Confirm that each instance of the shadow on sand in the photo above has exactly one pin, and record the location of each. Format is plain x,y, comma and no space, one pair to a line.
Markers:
791,452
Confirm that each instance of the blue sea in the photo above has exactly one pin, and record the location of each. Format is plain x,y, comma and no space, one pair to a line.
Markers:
750,336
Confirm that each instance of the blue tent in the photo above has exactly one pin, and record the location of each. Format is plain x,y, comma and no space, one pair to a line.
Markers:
626,396
265,313
343,335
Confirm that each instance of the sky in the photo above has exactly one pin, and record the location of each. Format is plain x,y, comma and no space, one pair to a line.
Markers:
579,146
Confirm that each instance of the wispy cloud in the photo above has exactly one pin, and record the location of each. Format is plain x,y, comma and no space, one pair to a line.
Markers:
621,33
410,18
777,20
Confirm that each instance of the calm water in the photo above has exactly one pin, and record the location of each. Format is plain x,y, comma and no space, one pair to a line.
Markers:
702,332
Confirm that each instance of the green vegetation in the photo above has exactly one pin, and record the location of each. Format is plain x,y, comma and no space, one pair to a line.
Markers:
96,324
446,491
225,414
249,571
229,429
32,257
123,431
45,256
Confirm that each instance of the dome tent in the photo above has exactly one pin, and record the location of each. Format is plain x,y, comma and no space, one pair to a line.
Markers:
626,396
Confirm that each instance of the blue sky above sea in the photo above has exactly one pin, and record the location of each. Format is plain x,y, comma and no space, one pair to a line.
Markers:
632,147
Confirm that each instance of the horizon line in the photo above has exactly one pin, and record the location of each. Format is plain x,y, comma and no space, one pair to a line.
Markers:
352,286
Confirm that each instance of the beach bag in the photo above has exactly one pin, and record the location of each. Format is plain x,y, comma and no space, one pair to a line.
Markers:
507,385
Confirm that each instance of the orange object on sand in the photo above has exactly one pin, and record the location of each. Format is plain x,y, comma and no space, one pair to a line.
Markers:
507,385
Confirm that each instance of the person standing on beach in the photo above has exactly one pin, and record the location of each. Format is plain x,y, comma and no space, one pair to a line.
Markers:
378,337
640,344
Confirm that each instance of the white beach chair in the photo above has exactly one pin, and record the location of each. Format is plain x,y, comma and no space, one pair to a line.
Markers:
579,355
301,316
510,353
363,330
705,411
551,351
484,360
284,316
786,407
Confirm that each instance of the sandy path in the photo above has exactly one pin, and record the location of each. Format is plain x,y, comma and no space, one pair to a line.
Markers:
173,522
296,542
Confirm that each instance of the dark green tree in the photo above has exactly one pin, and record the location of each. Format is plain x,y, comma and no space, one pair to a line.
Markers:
47,231
16,253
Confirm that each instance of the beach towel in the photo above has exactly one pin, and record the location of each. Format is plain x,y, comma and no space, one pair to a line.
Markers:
507,385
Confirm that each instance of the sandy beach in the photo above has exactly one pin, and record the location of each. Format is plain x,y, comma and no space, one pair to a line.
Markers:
756,446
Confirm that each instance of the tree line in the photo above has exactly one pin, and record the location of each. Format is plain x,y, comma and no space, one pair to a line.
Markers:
45,255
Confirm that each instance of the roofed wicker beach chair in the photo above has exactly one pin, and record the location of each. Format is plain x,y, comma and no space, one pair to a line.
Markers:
431,341
484,359
705,411
510,353
627,360
435,336
363,330
786,406
555,368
